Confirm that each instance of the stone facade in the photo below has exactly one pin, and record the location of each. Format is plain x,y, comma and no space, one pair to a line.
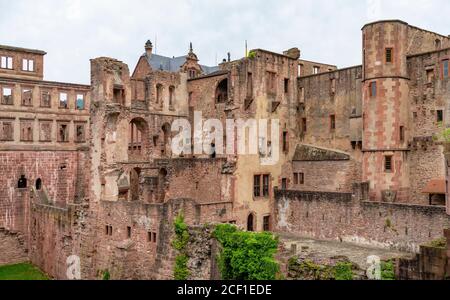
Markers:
90,170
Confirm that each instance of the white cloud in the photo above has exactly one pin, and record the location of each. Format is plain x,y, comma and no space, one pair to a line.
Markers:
74,31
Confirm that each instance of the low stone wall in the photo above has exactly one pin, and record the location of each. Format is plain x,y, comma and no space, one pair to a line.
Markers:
12,248
348,218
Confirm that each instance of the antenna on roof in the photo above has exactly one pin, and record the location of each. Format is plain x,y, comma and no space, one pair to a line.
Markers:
156,43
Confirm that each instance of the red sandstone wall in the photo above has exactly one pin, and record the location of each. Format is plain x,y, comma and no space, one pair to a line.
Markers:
343,217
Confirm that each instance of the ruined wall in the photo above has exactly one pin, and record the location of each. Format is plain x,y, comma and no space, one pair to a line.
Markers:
60,174
335,94
344,217
12,248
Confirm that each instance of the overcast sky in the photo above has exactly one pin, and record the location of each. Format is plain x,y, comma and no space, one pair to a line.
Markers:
74,31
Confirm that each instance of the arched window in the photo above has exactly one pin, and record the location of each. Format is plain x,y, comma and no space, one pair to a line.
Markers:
171,95
22,184
222,91
38,184
138,137
159,93
250,222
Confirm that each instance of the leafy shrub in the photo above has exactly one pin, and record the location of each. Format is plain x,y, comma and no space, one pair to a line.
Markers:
246,255
343,271
387,270
180,242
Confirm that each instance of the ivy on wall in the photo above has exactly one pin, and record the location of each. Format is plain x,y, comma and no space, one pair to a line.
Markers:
181,271
246,255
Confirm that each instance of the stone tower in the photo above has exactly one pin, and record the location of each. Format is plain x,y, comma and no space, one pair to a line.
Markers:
386,110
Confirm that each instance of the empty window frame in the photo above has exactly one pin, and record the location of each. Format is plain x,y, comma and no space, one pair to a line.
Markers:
6,62
332,122
63,100
430,75
129,232
6,130
7,96
80,133
63,132
27,97
261,185
301,95
80,102
333,86
26,131
249,85
27,65
257,186
46,99
316,70
266,223
304,125
286,85
45,131
266,185
171,96
402,133
271,82
439,116
285,141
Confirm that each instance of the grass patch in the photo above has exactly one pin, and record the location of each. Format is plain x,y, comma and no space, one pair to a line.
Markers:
23,271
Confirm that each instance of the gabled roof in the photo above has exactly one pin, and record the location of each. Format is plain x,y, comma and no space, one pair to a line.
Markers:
168,64
312,153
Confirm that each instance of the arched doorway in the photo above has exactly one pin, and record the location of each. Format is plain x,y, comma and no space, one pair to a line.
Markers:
251,222
38,184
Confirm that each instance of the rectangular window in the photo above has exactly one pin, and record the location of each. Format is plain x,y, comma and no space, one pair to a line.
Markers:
46,99
301,178
7,131
284,184
430,76
332,122
300,67
63,133
28,65
6,62
373,89
445,69
80,136
7,96
63,100
266,223
154,237
316,70
26,131
402,133
266,185
27,96
389,55
296,178
388,163
249,85
440,116
302,95
286,85
271,82
129,232
80,101
285,142
304,128
45,131
333,86
257,186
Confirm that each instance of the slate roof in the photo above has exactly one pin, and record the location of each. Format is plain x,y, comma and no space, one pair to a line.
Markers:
164,63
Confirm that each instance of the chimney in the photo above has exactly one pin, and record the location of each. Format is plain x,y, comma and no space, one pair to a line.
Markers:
148,48
229,56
